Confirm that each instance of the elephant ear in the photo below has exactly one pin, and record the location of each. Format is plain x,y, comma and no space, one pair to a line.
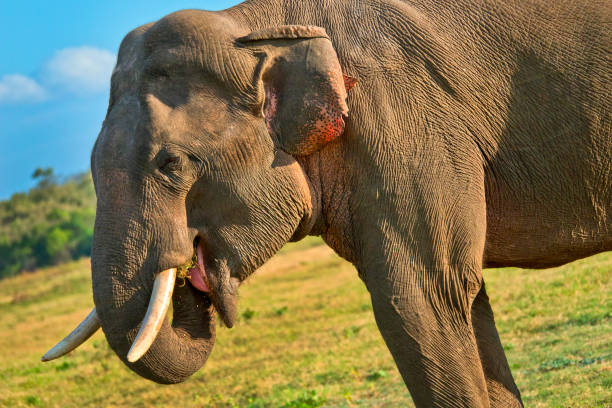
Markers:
305,90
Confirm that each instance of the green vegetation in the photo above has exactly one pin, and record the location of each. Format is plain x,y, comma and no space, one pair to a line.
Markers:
49,225
306,337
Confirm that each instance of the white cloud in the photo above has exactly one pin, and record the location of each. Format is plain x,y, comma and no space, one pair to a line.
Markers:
80,69
16,88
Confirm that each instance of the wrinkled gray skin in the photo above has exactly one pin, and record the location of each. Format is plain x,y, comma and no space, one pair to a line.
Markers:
478,135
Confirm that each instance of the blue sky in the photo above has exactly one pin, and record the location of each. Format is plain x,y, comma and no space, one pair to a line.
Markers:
55,63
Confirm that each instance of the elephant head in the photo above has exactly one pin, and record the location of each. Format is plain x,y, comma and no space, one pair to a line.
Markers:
197,159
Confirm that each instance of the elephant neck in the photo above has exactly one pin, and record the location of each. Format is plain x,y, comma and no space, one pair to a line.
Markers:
329,181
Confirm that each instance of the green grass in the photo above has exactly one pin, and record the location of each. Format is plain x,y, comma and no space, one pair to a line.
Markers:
306,337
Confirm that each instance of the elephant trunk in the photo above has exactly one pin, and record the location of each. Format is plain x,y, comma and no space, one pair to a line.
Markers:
122,284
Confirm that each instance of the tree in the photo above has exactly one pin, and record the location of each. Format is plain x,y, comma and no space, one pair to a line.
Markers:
51,223
45,177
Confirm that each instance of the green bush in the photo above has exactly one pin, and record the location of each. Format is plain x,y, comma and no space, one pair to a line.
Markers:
50,224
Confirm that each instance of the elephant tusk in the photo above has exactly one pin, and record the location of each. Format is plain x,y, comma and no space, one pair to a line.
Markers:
83,331
158,307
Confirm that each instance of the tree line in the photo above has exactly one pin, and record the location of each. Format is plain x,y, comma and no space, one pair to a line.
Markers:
50,224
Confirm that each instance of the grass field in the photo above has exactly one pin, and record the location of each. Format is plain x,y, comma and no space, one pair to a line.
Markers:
306,337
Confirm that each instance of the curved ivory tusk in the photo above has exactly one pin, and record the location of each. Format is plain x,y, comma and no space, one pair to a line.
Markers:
158,307
83,331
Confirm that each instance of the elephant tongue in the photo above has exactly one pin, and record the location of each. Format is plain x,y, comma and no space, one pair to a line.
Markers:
197,274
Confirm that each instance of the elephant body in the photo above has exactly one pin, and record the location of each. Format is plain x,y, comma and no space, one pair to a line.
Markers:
478,134
517,96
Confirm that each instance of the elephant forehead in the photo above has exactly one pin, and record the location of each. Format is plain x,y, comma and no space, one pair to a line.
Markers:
130,50
201,40
193,27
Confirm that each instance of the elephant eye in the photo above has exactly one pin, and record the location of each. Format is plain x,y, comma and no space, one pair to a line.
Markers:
158,72
168,163
162,75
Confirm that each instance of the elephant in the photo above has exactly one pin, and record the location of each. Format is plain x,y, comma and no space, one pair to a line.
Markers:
423,140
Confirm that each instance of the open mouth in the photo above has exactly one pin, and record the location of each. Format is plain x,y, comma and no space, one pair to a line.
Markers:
197,272
211,278
215,286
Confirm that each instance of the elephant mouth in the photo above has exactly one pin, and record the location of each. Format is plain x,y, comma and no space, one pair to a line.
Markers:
196,274
206,274
211,276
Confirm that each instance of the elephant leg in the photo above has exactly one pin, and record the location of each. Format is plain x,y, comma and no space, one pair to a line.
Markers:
431,338
503,392
421,259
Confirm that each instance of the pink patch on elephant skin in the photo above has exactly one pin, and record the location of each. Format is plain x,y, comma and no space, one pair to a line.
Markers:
270,106
328,126
332,107
321,112
349,82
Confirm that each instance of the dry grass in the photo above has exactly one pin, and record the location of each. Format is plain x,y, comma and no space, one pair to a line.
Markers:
306,337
